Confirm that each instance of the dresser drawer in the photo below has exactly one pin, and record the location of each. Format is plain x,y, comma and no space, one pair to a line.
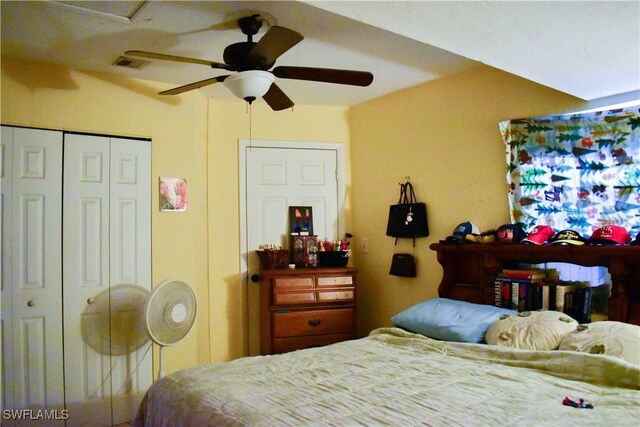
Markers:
314,322
293,290
336,295
283,345
335,281
290,283
303,297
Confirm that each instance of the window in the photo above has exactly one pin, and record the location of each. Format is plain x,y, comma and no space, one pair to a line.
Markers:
578,172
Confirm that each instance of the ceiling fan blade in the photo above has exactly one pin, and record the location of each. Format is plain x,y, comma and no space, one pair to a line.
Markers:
191,86
277,99
327,75
275,42
154,55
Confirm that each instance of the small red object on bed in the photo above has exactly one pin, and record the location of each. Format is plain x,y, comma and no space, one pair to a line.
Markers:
576,403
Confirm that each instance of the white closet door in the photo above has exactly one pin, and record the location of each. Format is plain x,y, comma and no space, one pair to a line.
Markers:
32,277
107,258
107,277
86,279
130,263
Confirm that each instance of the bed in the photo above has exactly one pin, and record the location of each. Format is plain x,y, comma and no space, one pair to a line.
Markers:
450,361
397,377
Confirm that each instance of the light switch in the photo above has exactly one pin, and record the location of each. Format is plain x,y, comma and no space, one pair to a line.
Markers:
364,245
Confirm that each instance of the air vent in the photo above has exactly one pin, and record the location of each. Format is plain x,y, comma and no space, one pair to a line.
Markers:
136,64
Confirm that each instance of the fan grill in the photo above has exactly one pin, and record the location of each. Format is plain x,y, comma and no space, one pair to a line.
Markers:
171,312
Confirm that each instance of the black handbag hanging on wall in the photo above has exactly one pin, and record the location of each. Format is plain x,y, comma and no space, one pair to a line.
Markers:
403,264
408,218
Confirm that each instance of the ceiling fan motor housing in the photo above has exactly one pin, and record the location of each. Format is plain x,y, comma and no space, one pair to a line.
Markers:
250,25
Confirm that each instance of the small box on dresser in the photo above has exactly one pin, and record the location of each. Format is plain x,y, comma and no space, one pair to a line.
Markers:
306,307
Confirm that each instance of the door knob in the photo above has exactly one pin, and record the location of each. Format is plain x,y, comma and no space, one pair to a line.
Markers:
31,303
91,300
255,278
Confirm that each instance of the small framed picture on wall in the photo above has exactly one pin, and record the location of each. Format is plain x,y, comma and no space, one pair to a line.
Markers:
173,194
301,220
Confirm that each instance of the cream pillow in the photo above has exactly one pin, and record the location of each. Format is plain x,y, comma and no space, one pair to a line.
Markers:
531,330
607,337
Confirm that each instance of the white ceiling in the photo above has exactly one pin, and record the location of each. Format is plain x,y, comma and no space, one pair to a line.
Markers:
587,49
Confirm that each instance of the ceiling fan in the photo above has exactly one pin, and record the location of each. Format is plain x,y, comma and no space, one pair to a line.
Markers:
252,60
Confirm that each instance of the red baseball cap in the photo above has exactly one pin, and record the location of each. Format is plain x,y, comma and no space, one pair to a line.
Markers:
610,234
539,235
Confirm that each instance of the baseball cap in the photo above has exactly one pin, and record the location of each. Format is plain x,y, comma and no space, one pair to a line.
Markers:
567,237
540,234
461,231
510,233
610,235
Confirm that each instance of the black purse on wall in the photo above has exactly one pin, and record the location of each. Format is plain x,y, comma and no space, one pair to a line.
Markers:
403,264
408,218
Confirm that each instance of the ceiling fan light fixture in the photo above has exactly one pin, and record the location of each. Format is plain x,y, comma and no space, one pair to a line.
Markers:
249,85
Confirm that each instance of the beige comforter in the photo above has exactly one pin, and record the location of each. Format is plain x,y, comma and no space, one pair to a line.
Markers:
397,378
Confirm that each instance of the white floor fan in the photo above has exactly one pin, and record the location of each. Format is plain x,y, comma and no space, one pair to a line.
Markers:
170,313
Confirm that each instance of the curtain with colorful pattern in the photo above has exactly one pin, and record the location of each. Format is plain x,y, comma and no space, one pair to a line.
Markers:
578,172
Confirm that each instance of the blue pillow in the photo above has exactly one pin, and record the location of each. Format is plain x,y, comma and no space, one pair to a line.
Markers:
450,320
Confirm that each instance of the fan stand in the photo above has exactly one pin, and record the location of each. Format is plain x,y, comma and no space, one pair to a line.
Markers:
160,361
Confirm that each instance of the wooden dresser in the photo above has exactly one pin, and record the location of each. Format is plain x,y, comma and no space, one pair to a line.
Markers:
306,307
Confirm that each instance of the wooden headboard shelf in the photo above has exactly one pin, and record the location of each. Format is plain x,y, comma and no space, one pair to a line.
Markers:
470,270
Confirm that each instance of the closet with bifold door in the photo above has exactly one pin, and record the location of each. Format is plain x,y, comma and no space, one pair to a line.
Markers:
76,273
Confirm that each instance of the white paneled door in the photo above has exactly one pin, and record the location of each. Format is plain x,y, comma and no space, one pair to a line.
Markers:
107,271
76,255
31,269
279,175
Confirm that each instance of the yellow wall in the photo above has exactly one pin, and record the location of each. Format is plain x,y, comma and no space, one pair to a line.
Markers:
192,138
444,136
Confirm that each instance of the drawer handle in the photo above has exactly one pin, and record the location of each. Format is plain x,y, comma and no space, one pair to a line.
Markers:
314,322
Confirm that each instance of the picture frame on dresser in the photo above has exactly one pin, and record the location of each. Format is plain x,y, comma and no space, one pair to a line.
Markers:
301,220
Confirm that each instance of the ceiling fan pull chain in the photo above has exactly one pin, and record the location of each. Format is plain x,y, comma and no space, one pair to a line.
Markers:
250,130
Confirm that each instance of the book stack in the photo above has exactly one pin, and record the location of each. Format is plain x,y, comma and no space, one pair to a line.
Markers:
523,290
574,299
541,289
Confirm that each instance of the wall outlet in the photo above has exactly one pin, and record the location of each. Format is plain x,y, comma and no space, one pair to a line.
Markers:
364,245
